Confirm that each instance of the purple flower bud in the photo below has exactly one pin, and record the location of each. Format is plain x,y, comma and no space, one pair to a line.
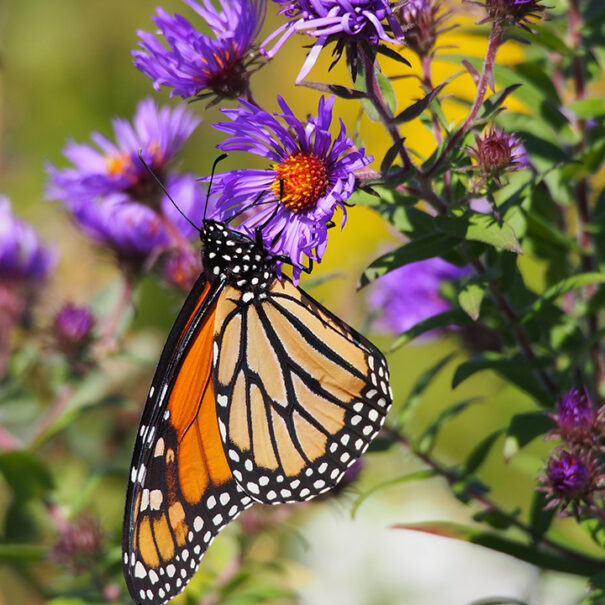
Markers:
568,477
575,414
79,546
72,330
498,151
513,12
422,24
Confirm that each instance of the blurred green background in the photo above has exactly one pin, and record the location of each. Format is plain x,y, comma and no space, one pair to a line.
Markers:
65,71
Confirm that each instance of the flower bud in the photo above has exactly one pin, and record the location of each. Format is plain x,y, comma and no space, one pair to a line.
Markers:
422,24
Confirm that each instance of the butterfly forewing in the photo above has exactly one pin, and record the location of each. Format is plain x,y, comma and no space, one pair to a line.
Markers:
300,394
181,490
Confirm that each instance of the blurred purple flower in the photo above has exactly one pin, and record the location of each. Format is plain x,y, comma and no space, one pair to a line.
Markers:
72,331
112,196
195,62
112,168
133,230
181,269
311,175
23,257
329,20
575,414
410,294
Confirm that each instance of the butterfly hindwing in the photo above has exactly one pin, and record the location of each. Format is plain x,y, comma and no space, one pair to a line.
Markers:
181,490
300,394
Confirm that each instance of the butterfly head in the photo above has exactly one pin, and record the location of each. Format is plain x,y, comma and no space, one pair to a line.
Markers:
235,258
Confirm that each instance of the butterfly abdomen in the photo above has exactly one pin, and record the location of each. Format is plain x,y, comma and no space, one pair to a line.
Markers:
235,259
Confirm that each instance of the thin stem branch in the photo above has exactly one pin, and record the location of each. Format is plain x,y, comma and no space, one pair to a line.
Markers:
480,498
583,207
520,334
486,79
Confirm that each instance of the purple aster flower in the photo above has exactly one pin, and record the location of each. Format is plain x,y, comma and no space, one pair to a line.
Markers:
24,263
498,151
112,168
194,62
23,257
181,269
422,22
334,20
410,294
312,173
133,230
570,481
575,410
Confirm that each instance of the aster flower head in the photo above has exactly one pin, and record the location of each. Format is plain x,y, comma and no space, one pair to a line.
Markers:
422,22
115,168
195,64
342,21
23,257
498,151
410,294
575,416
570,480
513,12
312,174
133,230
181,269
72,330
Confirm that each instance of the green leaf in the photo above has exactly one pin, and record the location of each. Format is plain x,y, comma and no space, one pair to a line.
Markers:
494,102
428,246
414,110
453,317
415,476
581,565
27,476
498,601
494,518
470,298
427,440
587,109
477,457
421,384
481,228
20,553
335,89
515,369
387,91
524,428
560,288
390,155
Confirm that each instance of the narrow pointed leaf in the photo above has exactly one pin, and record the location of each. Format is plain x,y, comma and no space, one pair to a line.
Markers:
470,298
524,428
414,110
477,457
335,89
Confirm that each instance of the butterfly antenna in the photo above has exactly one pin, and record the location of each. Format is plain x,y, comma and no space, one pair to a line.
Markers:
214,165
165,191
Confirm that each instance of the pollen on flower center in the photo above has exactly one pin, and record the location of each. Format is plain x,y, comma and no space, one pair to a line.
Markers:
300,180
118,164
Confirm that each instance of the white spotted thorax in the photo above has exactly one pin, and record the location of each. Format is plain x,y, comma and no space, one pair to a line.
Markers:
235,258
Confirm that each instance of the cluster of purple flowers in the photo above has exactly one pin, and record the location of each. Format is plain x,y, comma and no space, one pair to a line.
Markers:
574,481
111,194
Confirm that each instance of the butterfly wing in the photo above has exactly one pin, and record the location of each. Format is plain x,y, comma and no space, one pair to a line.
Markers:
300,394
181,491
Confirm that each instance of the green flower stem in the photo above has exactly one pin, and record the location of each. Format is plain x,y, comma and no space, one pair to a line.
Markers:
486,79
453,477
584,236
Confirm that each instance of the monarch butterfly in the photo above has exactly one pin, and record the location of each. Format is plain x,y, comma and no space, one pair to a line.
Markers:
260,395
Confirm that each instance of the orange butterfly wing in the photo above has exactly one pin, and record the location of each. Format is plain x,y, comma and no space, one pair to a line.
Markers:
181,490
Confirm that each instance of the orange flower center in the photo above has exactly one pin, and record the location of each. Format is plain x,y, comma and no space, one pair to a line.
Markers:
300,180
118,164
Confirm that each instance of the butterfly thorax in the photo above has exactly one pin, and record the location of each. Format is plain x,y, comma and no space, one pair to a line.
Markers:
234,257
